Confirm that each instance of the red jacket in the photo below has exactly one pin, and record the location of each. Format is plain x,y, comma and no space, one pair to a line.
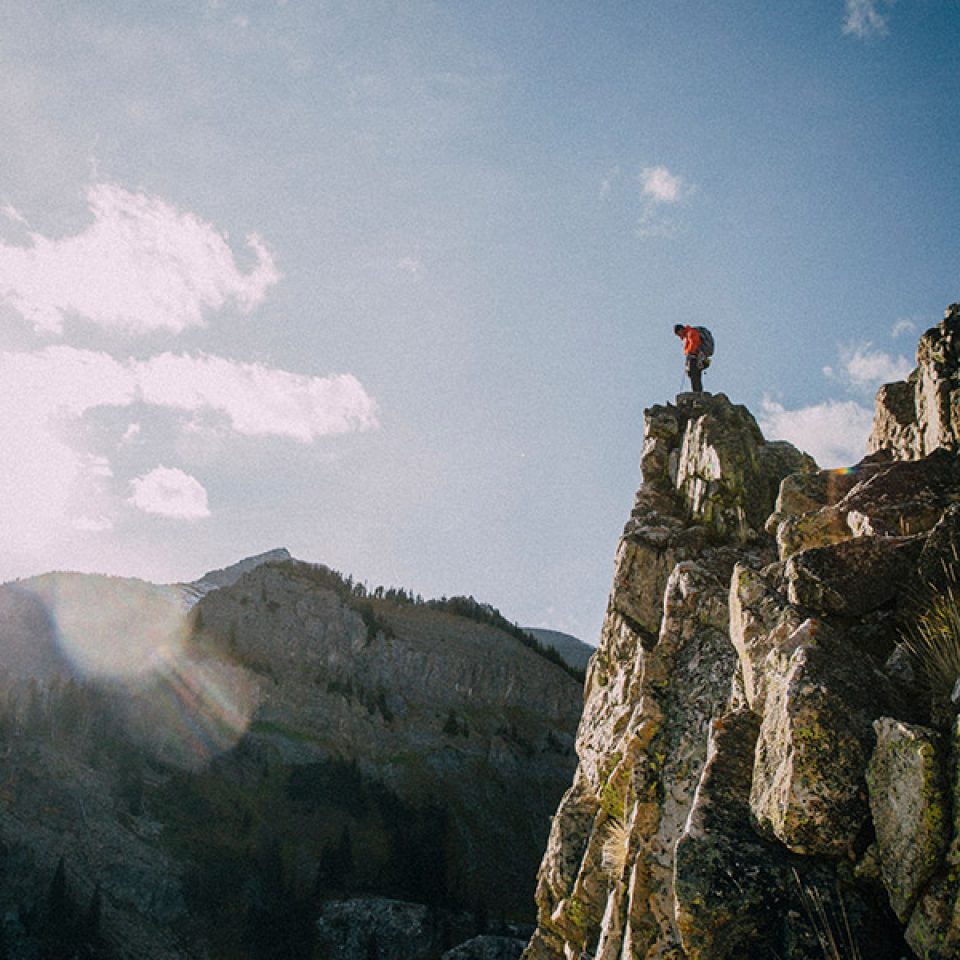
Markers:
691,341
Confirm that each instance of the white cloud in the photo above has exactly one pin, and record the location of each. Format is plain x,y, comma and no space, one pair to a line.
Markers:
834,433
411,265
141,265
661,186
903,328
867,368
257,400
49,481
662,190
169,492
132,433
864,17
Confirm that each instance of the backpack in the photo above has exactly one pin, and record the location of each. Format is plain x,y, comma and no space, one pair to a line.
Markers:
706,341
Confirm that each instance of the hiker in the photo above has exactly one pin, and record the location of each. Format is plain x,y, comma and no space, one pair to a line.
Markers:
695,353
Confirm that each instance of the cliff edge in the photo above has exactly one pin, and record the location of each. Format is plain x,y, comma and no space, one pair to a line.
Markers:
767,754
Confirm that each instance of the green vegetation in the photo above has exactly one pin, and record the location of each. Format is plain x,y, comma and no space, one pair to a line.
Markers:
264,840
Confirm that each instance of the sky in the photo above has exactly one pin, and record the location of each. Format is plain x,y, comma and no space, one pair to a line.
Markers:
390,284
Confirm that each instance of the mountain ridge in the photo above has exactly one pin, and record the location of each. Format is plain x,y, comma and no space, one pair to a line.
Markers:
244,756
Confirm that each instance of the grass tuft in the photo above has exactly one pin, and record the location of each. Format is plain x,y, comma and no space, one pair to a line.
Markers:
616,848
832,926
933,638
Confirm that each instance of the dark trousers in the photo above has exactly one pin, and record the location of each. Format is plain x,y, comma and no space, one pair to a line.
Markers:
694,372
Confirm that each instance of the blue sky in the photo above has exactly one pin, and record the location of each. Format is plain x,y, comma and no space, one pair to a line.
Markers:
390,284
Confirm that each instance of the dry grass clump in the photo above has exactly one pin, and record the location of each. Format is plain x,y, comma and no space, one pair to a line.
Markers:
616,848
933,639
832,927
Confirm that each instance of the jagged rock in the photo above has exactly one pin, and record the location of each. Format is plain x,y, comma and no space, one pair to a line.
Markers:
910,804
919,415
645,559
761,621
872,499
808,788
853,577
759,839
933,931
727,475
806,531
648,780
939,566
566,846
723,873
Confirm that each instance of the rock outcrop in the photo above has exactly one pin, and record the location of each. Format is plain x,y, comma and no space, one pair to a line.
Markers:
763,760
916,416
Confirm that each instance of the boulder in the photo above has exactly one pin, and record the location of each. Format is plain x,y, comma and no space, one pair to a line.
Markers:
910,806
854,577
486,947
933,930
808,786
761,621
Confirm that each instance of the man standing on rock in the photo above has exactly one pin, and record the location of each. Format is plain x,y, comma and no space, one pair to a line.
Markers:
692,351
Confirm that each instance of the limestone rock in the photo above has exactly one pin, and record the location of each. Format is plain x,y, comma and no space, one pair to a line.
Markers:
910,804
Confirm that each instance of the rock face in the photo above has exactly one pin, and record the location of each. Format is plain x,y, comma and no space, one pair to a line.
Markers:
762,761
922,414
287,764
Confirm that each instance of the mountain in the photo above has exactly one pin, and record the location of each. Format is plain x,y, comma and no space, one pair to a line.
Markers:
574,652
768,752
231,767
215,579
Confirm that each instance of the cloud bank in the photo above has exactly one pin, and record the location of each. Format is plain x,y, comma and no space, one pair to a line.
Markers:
91,439
866,368
141,265
45,470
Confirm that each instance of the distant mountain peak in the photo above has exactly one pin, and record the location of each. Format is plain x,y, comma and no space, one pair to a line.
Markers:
228,576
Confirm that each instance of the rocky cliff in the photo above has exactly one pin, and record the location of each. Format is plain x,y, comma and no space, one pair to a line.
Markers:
767,754
273,762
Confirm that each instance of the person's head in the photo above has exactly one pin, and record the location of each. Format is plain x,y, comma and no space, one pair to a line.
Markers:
679,329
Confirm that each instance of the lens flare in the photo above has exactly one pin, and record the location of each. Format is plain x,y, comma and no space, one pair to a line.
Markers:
112,628
189,710
133,638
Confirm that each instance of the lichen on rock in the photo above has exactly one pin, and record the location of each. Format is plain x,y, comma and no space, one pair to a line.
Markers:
754,725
